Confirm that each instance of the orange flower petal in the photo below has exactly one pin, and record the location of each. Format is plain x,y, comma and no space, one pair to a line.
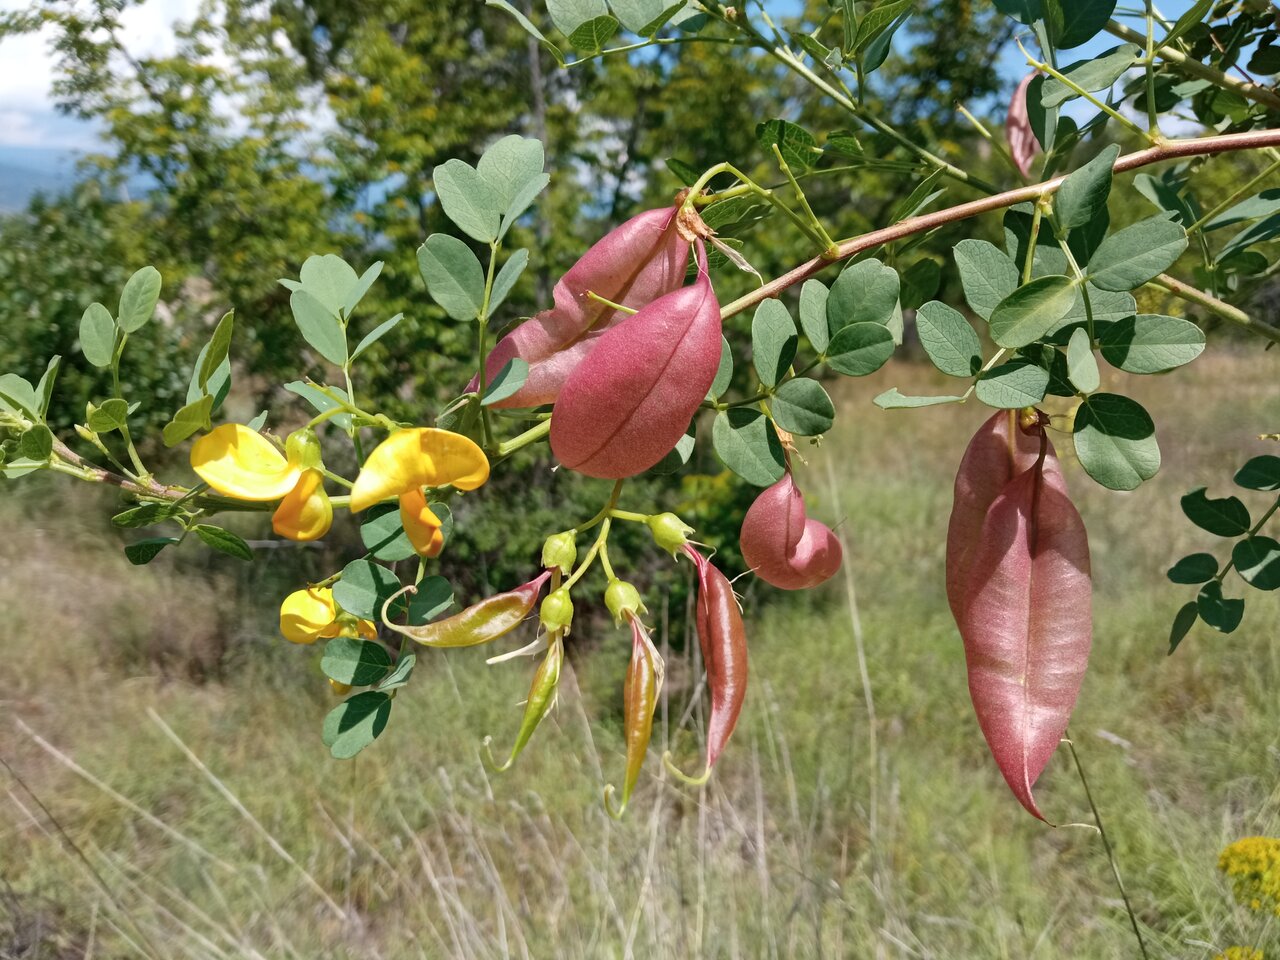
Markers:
421,525
306,512
421,457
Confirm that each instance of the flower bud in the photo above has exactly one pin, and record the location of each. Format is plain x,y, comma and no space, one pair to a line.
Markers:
556,612
84,433
339,688
560,550
302,448
669,532
623,600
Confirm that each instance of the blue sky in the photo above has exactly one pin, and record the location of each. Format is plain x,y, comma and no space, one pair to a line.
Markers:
30,125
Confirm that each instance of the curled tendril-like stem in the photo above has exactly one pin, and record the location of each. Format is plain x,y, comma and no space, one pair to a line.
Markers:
614,812
681,775
411,589
490,762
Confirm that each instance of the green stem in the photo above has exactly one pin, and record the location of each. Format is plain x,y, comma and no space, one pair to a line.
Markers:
1084,290
590,558
592,295
384,422
1034,237
660,42
816,229
1231,561
139,469
1106,845
1217,307
341,481
604,512
986,135
1153,122
482,351
327,415
630,517
784,56
995,358
532,435
765,193
1235,198
1194,68
1085,94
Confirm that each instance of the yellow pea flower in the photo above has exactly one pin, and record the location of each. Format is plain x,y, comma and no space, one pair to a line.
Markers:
422,457
309,615
238,462
312,614
409,460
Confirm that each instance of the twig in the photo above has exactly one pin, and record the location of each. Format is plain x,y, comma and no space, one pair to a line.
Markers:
1250,91
1169,150
1215,306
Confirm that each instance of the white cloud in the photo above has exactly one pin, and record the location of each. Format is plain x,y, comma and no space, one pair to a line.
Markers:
27,114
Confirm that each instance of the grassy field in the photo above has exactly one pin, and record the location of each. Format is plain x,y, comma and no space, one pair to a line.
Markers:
207,820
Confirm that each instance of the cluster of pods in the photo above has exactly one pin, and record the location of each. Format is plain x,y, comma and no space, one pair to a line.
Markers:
626,356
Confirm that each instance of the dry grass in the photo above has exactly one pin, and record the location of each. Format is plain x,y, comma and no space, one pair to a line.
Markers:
415,850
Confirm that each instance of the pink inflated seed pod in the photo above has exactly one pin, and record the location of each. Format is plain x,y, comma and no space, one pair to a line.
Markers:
782,545
632,265
998,452
625,406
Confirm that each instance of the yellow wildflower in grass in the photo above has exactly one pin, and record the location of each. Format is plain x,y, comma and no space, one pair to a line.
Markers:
241,463
1239,953
1253,864
409,460
312,614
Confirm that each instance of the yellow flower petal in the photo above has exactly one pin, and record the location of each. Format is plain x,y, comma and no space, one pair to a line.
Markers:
307,615
420,524
366,630
237,462
306,512
421,457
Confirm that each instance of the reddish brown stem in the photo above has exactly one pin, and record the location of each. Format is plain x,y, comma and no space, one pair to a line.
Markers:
1169,150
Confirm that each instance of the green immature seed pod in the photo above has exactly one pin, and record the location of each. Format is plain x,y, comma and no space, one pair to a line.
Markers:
623,600
556,613
560,551
669,532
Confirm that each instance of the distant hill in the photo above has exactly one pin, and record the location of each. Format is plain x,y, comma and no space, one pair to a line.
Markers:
26,171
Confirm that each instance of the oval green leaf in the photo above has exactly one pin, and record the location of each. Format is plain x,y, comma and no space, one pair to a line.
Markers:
1115,440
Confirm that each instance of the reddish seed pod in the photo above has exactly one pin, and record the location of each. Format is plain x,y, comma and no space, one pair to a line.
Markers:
640,699
1025,598
626,406
723,640
998,452
482,622
1022,139
783,546
632,265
